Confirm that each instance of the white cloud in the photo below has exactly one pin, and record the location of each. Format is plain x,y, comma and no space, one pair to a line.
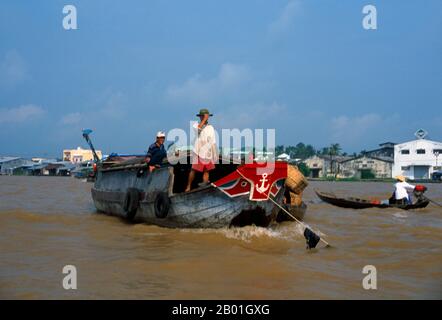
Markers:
254,115
343,126
228,81
114,105
285,20
352,131
20,114
13,69
107,106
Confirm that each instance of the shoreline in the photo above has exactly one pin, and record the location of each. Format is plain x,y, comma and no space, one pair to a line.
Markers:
389,180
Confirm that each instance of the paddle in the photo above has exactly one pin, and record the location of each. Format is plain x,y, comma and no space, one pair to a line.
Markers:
432,201
311,238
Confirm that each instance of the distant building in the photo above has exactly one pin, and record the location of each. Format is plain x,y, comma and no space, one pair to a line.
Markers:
324,165
364,167
79,155
417,159
9,165
38,167
283,156
50,168
41,160
386,150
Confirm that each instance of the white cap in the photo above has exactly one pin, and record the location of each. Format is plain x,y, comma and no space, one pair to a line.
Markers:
161,134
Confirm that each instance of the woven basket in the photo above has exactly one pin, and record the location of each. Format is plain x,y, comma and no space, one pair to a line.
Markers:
295,181
295,199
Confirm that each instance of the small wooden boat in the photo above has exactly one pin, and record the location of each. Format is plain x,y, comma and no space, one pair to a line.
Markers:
358,203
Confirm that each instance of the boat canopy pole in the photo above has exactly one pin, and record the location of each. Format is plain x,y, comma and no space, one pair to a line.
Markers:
86,133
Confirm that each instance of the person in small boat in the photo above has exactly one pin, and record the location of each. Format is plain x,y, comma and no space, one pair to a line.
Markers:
402,190
156,152
205,152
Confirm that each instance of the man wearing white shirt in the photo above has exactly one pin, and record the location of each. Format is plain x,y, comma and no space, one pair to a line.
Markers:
402,189
205,151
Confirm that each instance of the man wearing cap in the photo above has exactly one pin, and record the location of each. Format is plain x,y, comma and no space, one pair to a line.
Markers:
156,152
205,152
402,189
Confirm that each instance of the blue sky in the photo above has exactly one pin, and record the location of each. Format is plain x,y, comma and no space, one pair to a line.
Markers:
304,67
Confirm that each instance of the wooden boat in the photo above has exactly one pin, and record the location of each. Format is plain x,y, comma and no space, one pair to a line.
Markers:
358,203
127,189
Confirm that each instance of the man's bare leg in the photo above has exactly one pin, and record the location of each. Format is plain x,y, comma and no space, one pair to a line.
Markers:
206,176
190,180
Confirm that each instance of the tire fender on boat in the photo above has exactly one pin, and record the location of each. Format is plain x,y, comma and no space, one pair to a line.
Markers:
131,203
162,205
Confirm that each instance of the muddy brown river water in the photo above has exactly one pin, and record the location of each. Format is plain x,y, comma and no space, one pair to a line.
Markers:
49,222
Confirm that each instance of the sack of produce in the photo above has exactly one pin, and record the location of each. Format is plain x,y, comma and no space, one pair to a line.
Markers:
295,181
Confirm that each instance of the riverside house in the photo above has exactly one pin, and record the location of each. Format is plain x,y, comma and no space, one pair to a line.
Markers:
366,167
322,166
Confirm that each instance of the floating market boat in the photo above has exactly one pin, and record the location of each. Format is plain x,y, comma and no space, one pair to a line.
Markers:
241,194
358,203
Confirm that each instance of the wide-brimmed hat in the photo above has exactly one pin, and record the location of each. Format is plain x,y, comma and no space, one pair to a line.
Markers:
203,112
401,178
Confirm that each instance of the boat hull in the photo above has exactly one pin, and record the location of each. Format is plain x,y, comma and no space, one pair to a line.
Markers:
205,207
356,203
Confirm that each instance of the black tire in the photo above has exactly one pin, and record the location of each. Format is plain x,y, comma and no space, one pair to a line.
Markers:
141,172
162,205
131,203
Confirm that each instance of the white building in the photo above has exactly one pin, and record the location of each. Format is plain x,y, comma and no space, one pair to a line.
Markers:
417,159
283,156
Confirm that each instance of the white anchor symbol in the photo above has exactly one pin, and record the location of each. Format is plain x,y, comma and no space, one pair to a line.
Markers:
263,188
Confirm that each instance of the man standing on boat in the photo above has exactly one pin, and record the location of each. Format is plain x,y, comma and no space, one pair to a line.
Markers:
205,151
156,152
402,189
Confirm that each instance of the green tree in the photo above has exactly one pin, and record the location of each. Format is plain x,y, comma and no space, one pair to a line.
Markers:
324,151
279,150
335,149
309,151
304,169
